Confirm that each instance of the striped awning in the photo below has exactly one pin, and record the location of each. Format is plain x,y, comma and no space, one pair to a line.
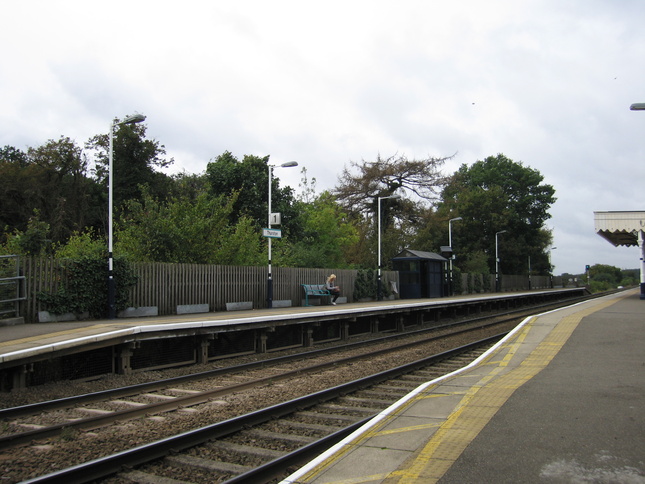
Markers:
620,228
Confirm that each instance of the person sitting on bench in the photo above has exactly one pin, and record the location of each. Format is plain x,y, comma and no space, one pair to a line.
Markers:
333,288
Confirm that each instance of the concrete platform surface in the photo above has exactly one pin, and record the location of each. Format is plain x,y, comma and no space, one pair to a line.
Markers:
560,400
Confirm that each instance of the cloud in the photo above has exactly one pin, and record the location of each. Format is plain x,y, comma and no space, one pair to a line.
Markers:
544,82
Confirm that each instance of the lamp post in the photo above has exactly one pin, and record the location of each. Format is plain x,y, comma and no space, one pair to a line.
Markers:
497,285
450,244
550,268
135,118
379,288
270,276
641,233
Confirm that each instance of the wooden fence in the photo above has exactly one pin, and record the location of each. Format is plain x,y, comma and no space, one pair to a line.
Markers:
167,286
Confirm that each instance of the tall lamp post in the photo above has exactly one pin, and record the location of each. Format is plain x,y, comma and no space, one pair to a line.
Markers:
550,269
450,244
379,287
270,276
135,118
497,285
641,233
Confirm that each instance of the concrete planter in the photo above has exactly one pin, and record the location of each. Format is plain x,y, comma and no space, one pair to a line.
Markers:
239,306
47,317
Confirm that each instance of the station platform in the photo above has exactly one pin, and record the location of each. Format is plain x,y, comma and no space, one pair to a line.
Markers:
561,399
19,342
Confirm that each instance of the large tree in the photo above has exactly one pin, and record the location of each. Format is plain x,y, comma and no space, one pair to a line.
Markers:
250,178
417,183
326,236
136,163
495,195
49,183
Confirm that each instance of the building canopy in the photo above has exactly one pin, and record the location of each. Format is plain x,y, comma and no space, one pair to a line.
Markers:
620,228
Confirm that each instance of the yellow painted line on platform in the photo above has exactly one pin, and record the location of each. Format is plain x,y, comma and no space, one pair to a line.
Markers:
481,404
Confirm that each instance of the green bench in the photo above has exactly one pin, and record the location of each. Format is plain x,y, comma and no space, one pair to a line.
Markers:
315,290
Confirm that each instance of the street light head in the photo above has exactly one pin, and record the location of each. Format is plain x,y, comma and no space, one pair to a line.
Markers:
455,219
637,107
289,164
390,196
135,118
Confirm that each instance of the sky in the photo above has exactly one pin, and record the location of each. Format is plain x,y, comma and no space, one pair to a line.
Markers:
547,83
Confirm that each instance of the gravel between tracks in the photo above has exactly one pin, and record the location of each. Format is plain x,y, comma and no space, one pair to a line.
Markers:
73,448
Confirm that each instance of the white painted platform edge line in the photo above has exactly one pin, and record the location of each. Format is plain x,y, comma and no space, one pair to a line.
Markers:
293,478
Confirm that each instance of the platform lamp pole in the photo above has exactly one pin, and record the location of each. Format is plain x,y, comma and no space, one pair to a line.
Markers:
135,118
270,276
379,287
450,244
550,268
497,285
641,234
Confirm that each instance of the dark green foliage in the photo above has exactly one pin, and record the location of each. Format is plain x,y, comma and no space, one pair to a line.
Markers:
478,283
457,287
250,178
365,284
486,282
495,195
84,287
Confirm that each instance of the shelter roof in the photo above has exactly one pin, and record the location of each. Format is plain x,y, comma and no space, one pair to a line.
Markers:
419,254
620,228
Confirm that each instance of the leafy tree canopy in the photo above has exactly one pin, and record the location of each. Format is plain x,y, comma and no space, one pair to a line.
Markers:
250,177
135,162
495,195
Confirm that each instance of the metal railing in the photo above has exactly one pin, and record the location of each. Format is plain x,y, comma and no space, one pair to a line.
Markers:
12,286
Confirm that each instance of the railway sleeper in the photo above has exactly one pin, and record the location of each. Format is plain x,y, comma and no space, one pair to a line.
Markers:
348,410
240,449
141,477
273,436
191,462
379,394
342,420
366,401
414,378
326,429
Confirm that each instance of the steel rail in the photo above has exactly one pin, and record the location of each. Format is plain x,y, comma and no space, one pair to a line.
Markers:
97,421
66,402
109,465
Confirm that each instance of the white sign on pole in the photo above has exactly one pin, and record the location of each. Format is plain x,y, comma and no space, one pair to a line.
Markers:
275,218
273,233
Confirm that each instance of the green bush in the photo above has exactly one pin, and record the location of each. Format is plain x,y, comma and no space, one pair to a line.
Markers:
486,282
456,284
478,282
84,287
365,284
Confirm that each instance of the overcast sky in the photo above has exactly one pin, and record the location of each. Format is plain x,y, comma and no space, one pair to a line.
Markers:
548,83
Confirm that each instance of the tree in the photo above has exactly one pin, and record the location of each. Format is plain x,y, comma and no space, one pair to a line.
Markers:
187,231
494,195
383,177
327,233
71,197
135,163
360,187
250,178
51,180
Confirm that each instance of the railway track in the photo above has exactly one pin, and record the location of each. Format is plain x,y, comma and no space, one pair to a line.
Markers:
179,396
264,445
44,420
